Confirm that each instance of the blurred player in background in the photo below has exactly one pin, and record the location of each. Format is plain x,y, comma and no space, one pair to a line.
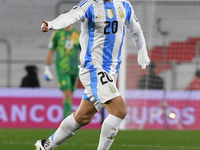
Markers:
31,78
103,28
151,80
65,42
195,83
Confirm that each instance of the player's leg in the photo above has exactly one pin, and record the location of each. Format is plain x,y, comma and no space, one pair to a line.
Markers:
117,112
69,126
73,122
116,107
65,85
85,112
67,102
107,93
100,87
68,89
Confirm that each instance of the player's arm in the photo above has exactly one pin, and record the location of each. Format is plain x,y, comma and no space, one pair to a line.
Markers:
52,47
49,57
47,71
64,20
138,38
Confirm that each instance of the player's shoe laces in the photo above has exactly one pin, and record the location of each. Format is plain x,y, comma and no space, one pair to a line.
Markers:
43,145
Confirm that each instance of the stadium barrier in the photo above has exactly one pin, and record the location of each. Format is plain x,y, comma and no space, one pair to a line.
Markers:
36,108
156,109
147,109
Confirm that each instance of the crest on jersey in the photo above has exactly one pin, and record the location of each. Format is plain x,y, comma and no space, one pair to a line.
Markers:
110,13
112,88
120,13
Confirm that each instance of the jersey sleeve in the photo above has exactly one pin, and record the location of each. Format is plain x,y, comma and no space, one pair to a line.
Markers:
74,15
134,27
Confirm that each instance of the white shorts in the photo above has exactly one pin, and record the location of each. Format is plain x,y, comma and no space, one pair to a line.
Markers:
100,86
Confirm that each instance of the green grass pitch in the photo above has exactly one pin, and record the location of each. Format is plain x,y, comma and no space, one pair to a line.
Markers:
24,139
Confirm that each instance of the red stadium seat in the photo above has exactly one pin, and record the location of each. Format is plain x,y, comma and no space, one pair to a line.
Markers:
179,51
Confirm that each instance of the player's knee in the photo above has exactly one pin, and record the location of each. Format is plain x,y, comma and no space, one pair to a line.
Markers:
83,119
67,94
120,113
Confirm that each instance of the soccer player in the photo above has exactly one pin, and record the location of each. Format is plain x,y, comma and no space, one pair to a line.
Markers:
65,42
103,28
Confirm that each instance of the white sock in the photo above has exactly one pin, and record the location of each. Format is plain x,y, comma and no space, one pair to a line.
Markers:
109,130
67,129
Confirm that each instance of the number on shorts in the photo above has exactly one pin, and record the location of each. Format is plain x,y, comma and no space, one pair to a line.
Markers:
103,79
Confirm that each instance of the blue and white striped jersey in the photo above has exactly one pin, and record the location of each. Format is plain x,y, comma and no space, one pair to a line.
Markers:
102,31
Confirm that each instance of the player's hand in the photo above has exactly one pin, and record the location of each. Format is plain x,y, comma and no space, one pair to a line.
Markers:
44,26
143,58
47,73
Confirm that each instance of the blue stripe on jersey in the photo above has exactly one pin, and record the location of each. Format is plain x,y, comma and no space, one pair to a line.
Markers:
82,3
85,97
128,10
88,57
109,37
93,83
91,27
119,55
